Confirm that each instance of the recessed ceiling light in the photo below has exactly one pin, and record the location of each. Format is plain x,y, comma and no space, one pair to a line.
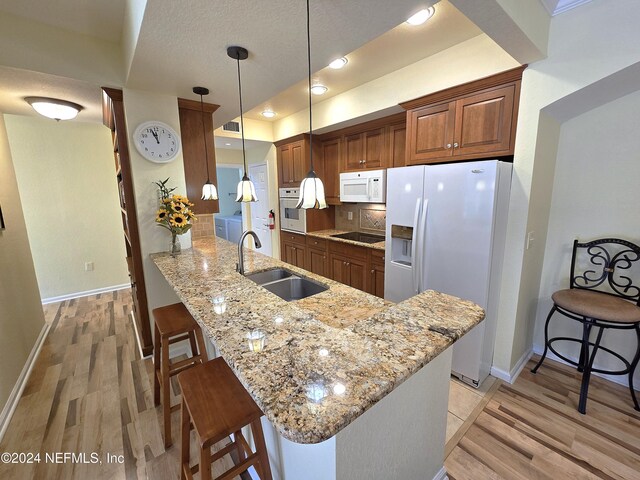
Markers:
269,113
338,63
318,89
54,108
421,17
228,144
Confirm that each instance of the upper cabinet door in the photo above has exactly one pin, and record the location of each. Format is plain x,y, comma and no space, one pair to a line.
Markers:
300,161
374,151
331,162
430,132
483,122
397,145
285,160
353,151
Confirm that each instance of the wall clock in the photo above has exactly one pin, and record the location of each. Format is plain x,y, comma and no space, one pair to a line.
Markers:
156,141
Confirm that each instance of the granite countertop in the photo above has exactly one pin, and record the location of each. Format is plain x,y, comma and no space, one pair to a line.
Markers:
327,235
339,339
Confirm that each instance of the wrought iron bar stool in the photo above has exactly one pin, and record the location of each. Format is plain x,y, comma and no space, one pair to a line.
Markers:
217,405
173,323
602,295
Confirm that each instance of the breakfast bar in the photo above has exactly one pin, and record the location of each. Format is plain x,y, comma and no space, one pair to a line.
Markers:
352,386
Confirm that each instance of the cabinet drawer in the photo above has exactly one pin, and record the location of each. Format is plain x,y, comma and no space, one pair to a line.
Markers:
292,237
377,256
316,242
348,250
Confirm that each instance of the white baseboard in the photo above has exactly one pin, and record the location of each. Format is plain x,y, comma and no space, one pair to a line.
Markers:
441,475
619,379
511,375
21,382
96,291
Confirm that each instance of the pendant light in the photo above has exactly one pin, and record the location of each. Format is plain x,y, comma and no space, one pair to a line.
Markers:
209,191
311,188
246,189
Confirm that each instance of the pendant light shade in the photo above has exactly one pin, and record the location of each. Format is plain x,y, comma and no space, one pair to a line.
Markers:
311,188
246,189
209,190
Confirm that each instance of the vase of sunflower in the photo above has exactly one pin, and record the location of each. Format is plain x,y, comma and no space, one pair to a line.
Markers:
175,215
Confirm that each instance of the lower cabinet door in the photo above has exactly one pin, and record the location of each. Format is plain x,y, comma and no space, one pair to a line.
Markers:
317,262
339,271
376,280
299,257
357,274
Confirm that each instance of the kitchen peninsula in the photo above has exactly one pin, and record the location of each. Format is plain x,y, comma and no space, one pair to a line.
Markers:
353,386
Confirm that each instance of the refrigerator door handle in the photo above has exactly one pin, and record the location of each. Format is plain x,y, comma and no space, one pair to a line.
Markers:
422,228
415,263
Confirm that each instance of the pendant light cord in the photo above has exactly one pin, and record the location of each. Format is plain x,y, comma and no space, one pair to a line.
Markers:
309,64
204,134
244,155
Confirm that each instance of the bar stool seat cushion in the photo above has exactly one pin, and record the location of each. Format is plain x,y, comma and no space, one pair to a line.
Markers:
217,401
173,320
597,305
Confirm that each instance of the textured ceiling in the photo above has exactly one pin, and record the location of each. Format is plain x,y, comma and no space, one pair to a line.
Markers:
395,49
179,47
96,18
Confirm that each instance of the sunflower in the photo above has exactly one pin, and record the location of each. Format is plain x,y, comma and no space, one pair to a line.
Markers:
166,200
180,199
161,215
178,220
178,207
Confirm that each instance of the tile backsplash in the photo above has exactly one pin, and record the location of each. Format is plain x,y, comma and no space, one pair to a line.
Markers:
203,227
366,217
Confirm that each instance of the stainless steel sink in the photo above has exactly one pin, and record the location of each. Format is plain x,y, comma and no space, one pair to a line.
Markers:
269,276
295,288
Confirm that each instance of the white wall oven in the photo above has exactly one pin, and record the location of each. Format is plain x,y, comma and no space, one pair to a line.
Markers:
292,219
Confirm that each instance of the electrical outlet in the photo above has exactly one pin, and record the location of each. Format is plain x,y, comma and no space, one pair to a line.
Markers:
88,266
530,240
349,215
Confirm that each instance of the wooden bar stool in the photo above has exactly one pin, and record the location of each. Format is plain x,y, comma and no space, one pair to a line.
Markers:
173,323
217,405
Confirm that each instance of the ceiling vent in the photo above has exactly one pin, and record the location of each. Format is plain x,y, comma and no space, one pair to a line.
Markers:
231,127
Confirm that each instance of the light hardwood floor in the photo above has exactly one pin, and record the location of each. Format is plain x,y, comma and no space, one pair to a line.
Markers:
532,430
91,392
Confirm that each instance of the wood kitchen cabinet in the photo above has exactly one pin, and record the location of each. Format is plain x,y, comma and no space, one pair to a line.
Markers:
293,161
397,144
292,249
376,273
330,152
474,120
317,260
365,150
349,271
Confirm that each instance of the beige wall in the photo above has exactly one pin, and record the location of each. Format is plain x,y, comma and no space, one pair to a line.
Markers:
595,195
21,317
141,107
585,45
67,184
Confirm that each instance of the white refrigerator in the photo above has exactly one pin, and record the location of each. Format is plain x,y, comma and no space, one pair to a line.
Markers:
445,231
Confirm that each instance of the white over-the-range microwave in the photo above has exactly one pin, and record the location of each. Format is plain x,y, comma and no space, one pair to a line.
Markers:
368,186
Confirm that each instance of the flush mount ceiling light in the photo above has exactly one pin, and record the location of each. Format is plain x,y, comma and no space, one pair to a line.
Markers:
268,113
338,63
54,108
421,17
318,89
246,190
311,188
209,191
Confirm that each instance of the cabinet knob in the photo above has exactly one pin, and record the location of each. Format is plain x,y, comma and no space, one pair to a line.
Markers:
348,264
364,161
360,162
448,145
372,272
455,145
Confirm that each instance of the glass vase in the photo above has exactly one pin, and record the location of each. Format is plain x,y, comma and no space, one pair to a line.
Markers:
175,247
